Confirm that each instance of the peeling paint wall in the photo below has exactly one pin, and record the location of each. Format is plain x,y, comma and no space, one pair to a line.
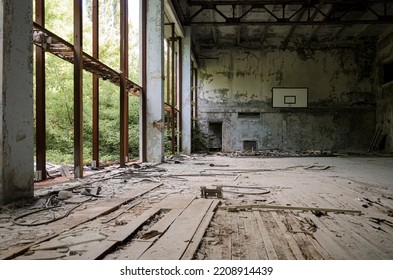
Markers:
341,103
16,101
384,91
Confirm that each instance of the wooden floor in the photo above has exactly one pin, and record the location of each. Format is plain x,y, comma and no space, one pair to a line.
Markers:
283,235
305,235
172,229
161,215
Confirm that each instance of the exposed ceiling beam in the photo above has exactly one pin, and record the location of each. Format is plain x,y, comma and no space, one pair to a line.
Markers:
293,27
337,33
275,2
316,29
339,15
214,30
388,20
317,10
172,14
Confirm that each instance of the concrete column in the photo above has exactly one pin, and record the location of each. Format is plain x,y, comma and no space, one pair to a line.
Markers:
16,100
154,88
186,90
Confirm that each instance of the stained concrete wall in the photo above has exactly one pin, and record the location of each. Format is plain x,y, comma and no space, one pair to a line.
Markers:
341,103
384,91
16,100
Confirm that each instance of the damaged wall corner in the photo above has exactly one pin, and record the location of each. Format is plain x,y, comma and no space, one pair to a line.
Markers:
16,101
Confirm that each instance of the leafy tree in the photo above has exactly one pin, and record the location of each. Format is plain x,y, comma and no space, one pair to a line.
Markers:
59,84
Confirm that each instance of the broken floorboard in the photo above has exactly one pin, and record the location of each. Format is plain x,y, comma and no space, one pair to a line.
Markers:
173,244
165,226
104,207
124,232
175,206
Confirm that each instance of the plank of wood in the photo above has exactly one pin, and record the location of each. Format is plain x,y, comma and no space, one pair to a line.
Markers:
259,245
121,212
227,246
368,244
250,241
323,239
284,207
326,239
176,202
235,244
42,255
196,239
64,171
104,207
175,241
128,229
311,250
289,237
95,252
134,251
271,252
137,248
280,245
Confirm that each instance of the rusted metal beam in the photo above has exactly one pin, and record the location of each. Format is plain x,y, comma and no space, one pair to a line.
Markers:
40,96
144,82
173,46
78,90
123,74
126,74
180,93
122,122
96,99
196,92
193,88
168,84
65,50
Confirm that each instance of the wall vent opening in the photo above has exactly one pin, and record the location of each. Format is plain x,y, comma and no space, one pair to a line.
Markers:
248,115
249,145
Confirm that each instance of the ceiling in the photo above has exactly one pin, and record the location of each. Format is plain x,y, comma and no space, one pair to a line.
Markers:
282,24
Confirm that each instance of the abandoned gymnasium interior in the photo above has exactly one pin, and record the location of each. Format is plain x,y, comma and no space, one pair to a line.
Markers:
262,130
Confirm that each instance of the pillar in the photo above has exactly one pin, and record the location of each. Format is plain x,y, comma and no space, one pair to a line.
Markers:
153,100
16,100
186,118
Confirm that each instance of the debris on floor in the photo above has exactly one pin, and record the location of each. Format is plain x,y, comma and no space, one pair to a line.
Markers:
210,207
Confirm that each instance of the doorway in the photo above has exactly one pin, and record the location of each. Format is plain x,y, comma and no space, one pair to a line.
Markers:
215,134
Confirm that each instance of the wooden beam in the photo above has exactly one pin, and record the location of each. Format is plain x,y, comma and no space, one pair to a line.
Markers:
284,207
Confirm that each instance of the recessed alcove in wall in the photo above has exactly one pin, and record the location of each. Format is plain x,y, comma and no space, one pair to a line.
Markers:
249,145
